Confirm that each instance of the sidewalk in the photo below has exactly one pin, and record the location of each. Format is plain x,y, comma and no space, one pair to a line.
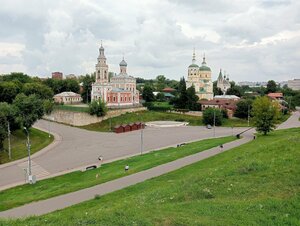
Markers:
63,201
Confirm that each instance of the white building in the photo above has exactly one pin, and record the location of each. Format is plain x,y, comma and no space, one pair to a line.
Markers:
200,77
67,98
120,90
223,82
294,84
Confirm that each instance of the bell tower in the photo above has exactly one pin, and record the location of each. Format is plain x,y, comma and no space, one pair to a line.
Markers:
101,67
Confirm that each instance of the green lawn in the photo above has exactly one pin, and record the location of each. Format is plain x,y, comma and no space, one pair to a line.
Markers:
78,180
147,116
38,139
72,108
162,104
254,184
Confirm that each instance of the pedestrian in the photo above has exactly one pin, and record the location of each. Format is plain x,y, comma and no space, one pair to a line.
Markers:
126,168
221,146
254,137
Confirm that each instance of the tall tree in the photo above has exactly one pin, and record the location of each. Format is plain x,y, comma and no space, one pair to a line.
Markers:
192,99
181,101
242,108
87,82
147,93
8,91
271,86
160,82
41,90
30,109
265,114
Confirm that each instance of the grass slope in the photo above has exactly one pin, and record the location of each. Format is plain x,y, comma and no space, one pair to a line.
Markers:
254,184
38,139
78,180
147,116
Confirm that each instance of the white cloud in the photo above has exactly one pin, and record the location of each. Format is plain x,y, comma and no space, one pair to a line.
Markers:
252,40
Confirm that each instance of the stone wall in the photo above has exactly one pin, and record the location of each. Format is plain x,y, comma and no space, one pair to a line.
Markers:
82,119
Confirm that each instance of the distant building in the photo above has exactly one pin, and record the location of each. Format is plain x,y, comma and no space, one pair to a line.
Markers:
71,76
200,77
294,84
168,90
226,97
67,98
57,75
223,82
252,84
119,90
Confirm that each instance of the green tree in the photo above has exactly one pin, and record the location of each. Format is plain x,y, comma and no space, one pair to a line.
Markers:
242,108
48,106
265,114
87,82
160,82
160,97
192,99
209,114
147,93
7,114
97,108
41,90
234,90
30,109
271,86
181,101
71,85
8,91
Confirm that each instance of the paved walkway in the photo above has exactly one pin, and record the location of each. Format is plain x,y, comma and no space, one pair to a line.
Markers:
63,201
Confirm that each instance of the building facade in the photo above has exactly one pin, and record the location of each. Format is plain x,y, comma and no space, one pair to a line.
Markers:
223,82
57,75
200,77
294,84
67,98
117,91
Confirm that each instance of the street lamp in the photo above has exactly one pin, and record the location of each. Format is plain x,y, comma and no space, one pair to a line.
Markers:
28,149
8,139
142,134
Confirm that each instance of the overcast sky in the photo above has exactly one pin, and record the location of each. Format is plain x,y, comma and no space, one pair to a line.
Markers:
250,40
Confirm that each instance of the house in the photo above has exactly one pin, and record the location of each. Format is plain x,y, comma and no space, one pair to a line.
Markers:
226,97
275,96
168,90
227,104
67,98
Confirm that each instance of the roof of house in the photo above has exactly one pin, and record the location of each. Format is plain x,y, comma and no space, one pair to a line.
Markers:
275,95
168,89
67,94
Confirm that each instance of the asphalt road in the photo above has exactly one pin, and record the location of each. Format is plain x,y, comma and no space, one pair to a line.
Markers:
78,148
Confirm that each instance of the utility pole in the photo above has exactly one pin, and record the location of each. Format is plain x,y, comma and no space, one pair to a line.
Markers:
28,149
8,139
142,139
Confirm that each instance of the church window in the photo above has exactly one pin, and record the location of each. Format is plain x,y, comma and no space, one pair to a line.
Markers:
121,99
125,98
114,99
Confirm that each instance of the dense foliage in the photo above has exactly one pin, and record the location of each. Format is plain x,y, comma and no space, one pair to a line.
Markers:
212,116
97,108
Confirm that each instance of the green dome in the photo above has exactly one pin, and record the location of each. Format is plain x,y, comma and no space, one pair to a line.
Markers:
204,68
193,65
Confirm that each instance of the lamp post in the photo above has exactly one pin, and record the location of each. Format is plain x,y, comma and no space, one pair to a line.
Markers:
8,139
28,149
142,135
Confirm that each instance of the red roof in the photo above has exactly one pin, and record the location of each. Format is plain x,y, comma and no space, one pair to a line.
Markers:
168,90
275,95
227,104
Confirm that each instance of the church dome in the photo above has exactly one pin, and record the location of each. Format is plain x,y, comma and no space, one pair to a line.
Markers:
123,63
194,65
203,66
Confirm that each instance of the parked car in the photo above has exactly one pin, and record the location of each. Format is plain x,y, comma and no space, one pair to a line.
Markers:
208,126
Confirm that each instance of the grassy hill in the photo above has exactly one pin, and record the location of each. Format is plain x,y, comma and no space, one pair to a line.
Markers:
254,184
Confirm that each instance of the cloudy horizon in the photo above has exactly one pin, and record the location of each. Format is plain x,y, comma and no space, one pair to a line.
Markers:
250,40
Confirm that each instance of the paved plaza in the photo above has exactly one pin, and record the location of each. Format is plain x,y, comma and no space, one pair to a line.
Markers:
77,148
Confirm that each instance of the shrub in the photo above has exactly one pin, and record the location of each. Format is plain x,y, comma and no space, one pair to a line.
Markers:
97,108
208,116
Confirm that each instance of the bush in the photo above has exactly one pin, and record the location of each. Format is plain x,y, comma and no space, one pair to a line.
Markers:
224,113
97,108
208,116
